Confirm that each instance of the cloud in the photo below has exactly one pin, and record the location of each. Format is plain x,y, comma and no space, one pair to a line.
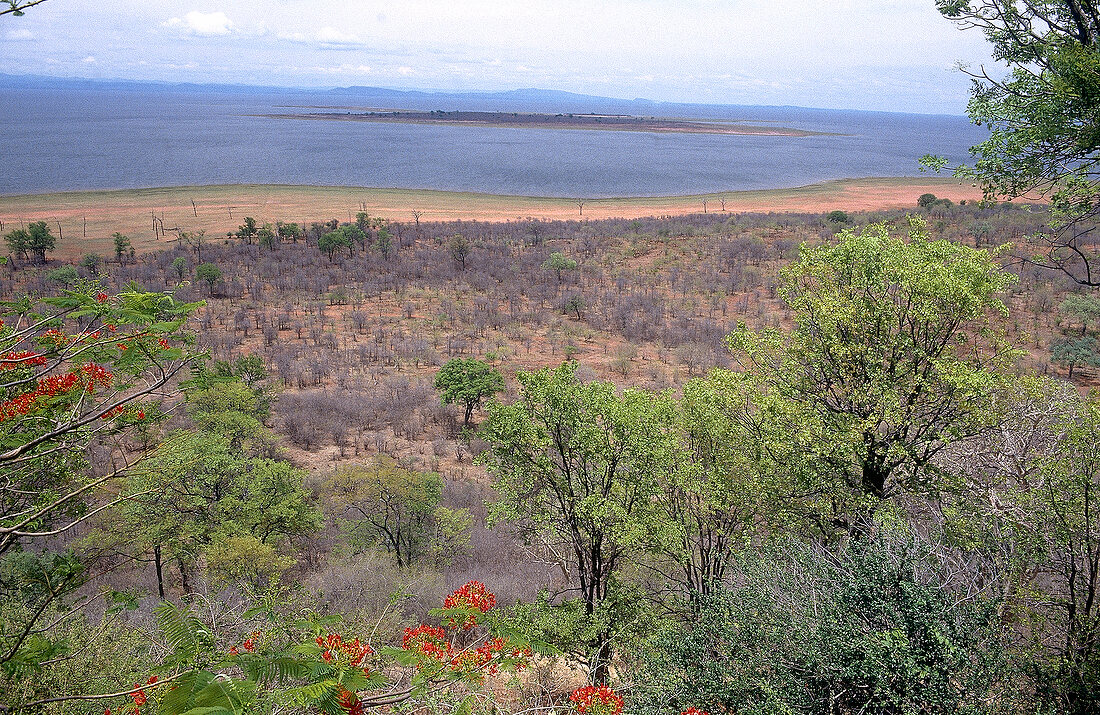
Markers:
89,60
327,37
204,24
20,34
344,69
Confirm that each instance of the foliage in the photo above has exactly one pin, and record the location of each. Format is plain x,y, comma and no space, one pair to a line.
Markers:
575,467
32,241
876,625
122,245
468,381
1042,115
77,370
1075,352
838,216
558,263
209,274
400,508
304,663
894,352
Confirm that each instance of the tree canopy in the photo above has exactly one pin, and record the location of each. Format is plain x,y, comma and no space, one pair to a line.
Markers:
1043,116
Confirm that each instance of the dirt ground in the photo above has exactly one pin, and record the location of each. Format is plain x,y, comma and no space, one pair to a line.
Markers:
87,219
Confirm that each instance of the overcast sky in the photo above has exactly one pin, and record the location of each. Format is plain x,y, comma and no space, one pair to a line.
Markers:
897,55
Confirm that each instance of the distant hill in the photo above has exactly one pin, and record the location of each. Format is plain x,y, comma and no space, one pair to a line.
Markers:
366,97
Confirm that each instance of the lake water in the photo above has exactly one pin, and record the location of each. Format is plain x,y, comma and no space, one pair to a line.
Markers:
57,138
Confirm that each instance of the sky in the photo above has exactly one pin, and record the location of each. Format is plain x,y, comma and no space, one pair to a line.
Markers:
891,55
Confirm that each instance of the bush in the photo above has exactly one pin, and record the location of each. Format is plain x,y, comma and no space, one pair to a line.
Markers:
871,627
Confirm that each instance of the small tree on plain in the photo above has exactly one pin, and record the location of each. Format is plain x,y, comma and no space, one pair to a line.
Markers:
208,273
468,381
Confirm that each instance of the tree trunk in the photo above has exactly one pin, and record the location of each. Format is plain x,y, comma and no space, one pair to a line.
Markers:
160,571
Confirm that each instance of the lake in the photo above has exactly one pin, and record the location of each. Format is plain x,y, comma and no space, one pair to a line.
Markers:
76,136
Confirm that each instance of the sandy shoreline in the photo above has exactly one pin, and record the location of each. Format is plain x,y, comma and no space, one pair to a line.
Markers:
88,218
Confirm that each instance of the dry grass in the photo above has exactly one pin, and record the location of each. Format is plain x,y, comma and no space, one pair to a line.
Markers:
88,218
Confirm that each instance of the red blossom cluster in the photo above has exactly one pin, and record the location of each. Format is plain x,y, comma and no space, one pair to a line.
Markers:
249,643
334,649
140,698
350,702
429,641
24,358
597,700
57,337
472,597
102,297
694,711
86,378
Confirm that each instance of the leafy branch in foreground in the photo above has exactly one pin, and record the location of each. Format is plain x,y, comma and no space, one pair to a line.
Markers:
309,665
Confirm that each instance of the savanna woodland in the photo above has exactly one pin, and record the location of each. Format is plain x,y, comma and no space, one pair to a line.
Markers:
720,463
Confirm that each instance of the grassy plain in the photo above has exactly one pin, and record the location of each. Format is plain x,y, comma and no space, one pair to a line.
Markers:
92,216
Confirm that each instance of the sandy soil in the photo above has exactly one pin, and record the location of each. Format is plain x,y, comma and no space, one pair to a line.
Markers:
88,218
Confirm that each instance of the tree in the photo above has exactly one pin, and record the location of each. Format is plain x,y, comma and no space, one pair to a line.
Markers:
385,502
16,7
91,262
77,370
179,265
1044,118
384,242
838,216
333,241
32,242
209,274
1085,308
557,262
122,245
1075,352
894,351
460,249
468,381
877,625
576,467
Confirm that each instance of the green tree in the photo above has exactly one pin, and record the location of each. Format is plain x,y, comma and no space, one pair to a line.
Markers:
333,241
468,381
1085,308
576,467
209,274
387,503
247,230
32,242
1075,352
459,249
179,265
267,238
1042,115
384,242
91,262
895,351
838,217
200,491
77,370
122,246
558,263
873,626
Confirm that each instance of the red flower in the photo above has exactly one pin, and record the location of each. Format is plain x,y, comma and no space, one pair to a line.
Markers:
597,700
693,711
102,297
473,596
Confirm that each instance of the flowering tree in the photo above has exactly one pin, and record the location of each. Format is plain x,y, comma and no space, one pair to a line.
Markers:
306,664
78,373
